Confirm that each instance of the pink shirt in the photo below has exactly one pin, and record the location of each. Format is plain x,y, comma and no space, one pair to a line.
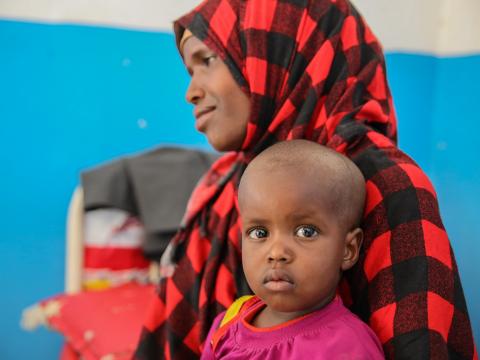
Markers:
332,332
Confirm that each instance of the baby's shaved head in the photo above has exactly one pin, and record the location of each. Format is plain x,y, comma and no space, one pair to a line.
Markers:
338,179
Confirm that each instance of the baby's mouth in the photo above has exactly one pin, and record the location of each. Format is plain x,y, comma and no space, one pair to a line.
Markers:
278,280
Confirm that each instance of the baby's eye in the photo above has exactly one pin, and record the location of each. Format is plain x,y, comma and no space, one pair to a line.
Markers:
306,231
257,233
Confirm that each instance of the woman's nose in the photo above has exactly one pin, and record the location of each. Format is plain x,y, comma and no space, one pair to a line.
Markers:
280,252
194,92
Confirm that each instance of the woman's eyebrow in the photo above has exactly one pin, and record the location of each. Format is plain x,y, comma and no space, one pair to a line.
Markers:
199,53
196,56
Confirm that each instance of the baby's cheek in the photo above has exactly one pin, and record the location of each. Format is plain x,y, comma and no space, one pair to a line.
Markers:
249,266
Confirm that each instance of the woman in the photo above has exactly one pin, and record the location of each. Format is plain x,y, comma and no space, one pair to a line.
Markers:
270,70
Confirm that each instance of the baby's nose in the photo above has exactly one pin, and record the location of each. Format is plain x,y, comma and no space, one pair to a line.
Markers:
280,252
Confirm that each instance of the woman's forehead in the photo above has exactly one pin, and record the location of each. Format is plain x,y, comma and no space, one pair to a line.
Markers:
192,47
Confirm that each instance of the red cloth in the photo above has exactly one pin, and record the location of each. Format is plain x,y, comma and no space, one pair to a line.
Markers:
314,70
100,323
68,353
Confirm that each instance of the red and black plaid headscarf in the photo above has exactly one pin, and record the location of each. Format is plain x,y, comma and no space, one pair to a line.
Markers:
313,70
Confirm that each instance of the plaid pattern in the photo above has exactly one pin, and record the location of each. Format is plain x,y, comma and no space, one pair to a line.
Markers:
314,70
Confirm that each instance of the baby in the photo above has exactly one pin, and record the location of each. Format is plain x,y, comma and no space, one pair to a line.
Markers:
301,205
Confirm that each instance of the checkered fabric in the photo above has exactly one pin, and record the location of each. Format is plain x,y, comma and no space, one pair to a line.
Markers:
314,70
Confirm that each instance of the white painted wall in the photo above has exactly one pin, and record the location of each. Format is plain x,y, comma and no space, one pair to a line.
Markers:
441,27
137,14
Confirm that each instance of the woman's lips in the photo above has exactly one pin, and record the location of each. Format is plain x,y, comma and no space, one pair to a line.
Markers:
202,116
278,280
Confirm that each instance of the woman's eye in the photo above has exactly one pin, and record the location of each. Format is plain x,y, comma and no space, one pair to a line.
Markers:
257,233
209,59
306,231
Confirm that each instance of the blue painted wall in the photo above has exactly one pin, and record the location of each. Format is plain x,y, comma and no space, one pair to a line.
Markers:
74,96
438,108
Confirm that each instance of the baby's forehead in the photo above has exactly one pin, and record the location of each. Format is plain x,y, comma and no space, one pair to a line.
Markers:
278,180
302,162
305,168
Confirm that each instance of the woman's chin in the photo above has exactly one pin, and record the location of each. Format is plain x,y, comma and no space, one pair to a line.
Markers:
222,145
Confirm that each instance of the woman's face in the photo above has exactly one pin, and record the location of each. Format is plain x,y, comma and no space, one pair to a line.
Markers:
222,109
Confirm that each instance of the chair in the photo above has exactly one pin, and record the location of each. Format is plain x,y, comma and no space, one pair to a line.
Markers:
101,318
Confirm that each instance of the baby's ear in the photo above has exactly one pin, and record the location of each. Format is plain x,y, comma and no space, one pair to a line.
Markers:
353,242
